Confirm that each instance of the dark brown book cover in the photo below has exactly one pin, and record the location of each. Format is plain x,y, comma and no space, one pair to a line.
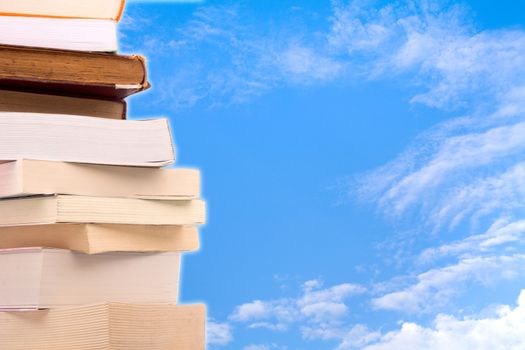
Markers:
29,102
71,72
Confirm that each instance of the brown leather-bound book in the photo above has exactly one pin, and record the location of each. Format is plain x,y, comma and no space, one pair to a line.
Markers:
28,102
71,72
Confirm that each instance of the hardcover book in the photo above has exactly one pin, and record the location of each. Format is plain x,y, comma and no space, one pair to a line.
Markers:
71,72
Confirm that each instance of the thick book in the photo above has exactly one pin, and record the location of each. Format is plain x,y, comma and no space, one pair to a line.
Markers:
85,140
101,9
98,238
34,177
41,278
109,326
100,210
97,35
71,72
27,102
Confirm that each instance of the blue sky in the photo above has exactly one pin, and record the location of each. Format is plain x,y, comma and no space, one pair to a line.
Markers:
364,165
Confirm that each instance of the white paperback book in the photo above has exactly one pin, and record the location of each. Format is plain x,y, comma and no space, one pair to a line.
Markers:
85,140
36,278
98,35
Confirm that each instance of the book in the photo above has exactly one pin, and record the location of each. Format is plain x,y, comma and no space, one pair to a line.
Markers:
27,102
59,33
85,140
100,210
40,278
97,238
71,72
109,326
102,9
35,177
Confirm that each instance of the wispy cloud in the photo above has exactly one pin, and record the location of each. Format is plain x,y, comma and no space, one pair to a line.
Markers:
448,174
502,233
449,60
435,288
437,166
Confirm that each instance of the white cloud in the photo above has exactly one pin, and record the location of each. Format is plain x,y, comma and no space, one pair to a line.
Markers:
318,310
358,337
249,311
436,287
218,333
502,331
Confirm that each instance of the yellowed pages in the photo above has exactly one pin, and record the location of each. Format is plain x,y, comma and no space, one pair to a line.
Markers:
100,210
99,238
111,326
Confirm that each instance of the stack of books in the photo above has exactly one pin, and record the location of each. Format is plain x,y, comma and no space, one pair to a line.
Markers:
91,227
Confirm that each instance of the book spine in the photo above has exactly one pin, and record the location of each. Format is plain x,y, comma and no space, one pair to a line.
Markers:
121,10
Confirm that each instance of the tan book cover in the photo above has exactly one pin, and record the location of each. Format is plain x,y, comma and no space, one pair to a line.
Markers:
98,238
101,210
33,177
28,102
71,72
37,278
112,326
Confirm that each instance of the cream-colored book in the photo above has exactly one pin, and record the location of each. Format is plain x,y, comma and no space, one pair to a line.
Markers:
37,278
112,326
100,210
97,238
81,139
34,177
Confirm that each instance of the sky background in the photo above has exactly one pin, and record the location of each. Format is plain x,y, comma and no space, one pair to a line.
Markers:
363,163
